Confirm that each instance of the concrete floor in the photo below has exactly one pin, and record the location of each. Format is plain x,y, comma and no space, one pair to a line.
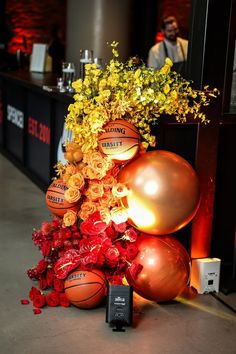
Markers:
202,325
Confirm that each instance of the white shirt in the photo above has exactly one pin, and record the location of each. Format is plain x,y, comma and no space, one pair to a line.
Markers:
157,55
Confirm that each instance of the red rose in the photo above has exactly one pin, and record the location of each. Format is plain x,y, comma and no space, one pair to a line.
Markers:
39,300
65,233
50,276
57,244
34,292
122,250
93,225
132,251
76,234
58,285
112,255
63,300
115,279
46,248
33,273
42,266
110,232
68,245
120,227
74,228
75,243
56,222
53,299
46,227
43,283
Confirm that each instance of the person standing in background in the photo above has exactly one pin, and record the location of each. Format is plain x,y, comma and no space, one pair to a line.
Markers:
172,46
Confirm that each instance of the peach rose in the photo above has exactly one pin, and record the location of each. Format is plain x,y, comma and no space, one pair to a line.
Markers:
91,173
91,155
76,181
108,200
71,169
87,208
95,191
69,218
72,195
108,182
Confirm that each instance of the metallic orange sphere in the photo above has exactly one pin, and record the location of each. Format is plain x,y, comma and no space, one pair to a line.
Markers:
166,268
163,192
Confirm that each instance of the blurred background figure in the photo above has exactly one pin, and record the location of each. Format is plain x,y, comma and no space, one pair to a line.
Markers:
171,46
56,48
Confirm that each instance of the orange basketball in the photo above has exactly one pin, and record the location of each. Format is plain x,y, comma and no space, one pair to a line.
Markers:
55,200
85,288
120,140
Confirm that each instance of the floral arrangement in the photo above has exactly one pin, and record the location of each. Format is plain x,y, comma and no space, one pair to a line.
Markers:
133,92
98,234
92,244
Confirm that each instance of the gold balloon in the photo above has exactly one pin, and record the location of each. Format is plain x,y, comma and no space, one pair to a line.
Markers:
163,192
166,268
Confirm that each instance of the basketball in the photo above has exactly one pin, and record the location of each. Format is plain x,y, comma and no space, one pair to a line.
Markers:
55,200
120,140
85,288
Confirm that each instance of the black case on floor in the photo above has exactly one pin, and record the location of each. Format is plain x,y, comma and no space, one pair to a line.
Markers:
119,310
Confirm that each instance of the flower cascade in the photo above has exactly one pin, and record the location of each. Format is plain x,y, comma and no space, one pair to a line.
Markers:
133,92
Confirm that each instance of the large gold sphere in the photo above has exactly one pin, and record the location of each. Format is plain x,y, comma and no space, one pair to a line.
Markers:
163,192
166,268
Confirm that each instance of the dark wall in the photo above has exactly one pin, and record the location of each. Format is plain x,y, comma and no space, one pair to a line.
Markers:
31,21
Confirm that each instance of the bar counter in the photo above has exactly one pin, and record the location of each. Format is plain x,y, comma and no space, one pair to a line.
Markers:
32,116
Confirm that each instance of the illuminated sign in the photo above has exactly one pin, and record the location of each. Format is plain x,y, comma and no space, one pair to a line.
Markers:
15,116
39,130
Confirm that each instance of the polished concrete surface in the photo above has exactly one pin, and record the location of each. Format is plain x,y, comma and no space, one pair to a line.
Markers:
200,325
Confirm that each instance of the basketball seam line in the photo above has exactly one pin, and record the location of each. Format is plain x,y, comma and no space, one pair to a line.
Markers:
117,137
116,153
78,301
62,207
93,271
89,283
52,190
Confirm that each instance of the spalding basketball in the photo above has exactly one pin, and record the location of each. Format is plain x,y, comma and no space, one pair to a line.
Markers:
55,200
85,288
120,140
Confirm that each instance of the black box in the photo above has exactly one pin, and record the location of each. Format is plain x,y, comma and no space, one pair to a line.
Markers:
119,310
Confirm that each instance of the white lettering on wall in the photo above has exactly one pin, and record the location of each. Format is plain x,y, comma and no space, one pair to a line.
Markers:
15,116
